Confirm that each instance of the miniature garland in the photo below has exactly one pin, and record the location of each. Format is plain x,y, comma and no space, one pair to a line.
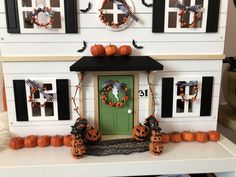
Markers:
48,12
182,93
109,86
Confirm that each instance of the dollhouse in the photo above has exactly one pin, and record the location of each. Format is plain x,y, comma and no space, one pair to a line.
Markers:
177,53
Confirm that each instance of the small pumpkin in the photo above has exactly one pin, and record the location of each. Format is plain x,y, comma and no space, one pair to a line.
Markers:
93,135
201,137
165,138
125,50
30,141
97,50
214,135
67,140
175,137
188,136
57,140
111,50
140,132
156,148
43,141
16,143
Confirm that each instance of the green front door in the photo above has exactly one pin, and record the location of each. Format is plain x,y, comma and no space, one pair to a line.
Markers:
113,120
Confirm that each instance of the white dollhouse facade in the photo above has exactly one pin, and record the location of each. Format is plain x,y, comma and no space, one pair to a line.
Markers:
186,54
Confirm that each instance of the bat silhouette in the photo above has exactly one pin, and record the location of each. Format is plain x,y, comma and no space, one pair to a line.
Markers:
83,48
87,9
146,4
136,46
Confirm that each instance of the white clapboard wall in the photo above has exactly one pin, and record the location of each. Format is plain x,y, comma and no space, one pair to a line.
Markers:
60,70
92,31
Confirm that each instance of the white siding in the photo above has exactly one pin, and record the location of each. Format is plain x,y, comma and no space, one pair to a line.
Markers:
90,27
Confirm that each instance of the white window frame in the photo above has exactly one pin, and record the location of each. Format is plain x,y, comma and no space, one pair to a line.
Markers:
37,29
185,30
42,100
195,105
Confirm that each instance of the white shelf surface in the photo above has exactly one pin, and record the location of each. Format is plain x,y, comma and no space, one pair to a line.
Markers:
182,158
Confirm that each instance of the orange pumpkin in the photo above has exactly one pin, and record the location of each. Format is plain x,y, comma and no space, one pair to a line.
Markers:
43,141
125,50
111,50
140,132
30,141
93,135
97,50
57,140
175,137
67,140
165,138
214,135
188,136
17,143
201,137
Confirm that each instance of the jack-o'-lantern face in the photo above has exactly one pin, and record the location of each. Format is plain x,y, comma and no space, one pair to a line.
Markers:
140,132
155,139
93,135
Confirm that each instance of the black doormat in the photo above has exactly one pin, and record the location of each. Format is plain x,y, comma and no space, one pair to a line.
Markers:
117,146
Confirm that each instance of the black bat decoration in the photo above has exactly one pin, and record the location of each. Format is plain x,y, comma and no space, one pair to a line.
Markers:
84,47
87,9
146,4
136,46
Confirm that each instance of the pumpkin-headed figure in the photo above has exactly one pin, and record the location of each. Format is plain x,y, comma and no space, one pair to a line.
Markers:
78,148
92,135
140,132
155,147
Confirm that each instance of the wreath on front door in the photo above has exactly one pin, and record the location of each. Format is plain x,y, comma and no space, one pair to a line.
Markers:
115,87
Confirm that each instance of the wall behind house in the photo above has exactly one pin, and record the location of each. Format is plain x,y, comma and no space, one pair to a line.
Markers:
92,31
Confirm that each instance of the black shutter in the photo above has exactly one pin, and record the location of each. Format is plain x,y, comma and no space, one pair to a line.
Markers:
12,16
206,98
167,97
63,99
20,100
158,19
213,16
71,16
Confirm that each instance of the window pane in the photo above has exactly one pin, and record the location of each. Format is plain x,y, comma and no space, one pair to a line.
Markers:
56,20
47,87
199,2
49,109
172,3
180,88
190,106
26,3
27,19
36,109
172,19
36,94
191,90
180,106
55,3
186,20
199,23
186,2
40,3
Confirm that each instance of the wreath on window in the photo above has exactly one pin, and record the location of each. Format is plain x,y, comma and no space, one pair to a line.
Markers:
115,87
183,11
47,11
193,84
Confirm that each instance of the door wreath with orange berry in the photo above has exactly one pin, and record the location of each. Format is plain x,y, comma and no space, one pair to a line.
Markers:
115,87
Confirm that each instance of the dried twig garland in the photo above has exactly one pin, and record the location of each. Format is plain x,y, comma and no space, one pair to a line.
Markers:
47,11
152,94
146,4
136,46
87,9
78,87
83,48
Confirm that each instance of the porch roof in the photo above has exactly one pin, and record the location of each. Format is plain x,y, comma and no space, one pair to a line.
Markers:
116,63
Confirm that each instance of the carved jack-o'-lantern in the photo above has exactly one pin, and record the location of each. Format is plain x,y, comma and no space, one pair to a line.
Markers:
93,135
78,149
155,147
140,132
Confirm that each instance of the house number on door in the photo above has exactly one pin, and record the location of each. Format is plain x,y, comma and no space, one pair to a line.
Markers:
143,93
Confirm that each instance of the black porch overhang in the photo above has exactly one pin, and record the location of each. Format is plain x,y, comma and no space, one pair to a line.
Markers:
117,63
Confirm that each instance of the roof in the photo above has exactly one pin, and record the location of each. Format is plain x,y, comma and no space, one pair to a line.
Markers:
116,63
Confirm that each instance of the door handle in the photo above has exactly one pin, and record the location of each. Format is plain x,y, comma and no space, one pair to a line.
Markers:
130,111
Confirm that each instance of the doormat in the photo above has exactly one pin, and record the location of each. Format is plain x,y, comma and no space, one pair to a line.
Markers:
116,146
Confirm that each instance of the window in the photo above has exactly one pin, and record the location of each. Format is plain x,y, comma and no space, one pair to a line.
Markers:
173,17
39,107
26,7
186,97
